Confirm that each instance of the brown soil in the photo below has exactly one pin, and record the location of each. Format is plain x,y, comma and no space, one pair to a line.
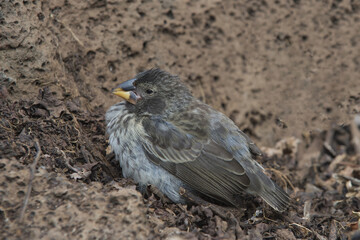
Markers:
287,72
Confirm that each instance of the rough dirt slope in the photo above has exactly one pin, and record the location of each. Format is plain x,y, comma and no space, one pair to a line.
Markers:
287,73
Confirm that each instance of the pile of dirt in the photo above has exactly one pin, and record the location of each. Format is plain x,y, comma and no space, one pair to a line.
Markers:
59,209
282,71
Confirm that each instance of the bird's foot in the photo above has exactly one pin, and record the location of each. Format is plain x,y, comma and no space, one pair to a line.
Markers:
151,189
221,211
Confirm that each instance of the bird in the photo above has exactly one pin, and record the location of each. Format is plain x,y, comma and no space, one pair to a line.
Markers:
165,137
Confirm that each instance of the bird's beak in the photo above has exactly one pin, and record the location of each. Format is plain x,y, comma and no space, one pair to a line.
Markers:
126,90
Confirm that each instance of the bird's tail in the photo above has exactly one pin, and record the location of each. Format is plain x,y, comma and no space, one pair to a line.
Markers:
271,193
276,197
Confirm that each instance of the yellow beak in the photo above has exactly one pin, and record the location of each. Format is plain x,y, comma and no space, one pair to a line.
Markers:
121,93
126,91
129,96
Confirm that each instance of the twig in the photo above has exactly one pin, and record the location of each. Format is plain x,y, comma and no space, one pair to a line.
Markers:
339,223
73,34
333,231
69,29
67,163
27,151
282,176
202,93
307,208
32,175
355,134
300,226
269,219
353,180
338,159
330,149
328,143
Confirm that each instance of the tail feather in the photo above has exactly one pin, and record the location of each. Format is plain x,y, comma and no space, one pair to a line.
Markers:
275,196
262,186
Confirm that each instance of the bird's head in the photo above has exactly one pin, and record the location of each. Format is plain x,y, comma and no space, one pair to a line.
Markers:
154,92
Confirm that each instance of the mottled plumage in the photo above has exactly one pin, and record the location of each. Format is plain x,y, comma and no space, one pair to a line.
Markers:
165,137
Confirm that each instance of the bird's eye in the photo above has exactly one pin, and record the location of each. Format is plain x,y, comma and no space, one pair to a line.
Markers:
149,91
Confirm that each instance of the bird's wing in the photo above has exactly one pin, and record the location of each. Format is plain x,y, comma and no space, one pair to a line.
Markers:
252,146
200,162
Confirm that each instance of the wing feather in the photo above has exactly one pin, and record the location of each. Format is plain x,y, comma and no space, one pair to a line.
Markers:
202,164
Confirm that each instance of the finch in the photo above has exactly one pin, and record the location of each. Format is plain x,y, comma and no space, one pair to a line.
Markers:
165,137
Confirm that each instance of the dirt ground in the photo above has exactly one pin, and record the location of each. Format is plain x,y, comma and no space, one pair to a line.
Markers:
287,73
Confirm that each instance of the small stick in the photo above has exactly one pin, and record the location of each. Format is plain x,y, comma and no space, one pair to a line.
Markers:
301,226
282,176
328,142
307,208
69,29
32,175
355,134
67,163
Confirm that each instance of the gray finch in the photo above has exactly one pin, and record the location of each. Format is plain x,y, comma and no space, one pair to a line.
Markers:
163,136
